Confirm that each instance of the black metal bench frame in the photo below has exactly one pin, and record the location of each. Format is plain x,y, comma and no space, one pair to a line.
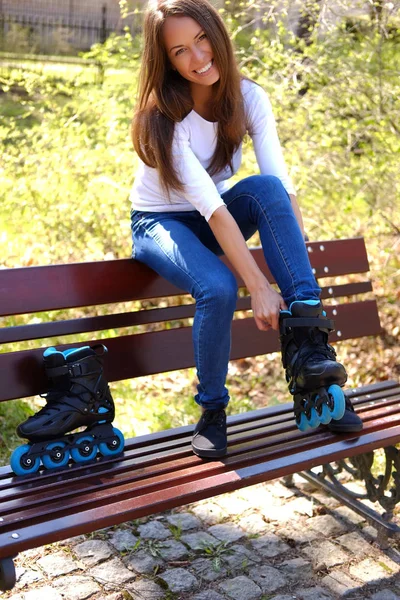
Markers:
159,471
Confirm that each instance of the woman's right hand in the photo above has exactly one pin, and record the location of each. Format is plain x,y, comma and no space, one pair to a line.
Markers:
266,304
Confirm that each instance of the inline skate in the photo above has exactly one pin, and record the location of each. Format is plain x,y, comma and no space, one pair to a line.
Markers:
314,376
78,396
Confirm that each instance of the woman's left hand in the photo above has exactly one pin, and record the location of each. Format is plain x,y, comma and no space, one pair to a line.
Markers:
266,304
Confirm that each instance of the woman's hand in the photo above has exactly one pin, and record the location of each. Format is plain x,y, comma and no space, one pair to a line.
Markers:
266,304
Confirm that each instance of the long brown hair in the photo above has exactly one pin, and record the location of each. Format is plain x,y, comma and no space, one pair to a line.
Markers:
164,95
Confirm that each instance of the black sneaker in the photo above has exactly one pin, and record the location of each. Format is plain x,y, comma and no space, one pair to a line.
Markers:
349,423
209,437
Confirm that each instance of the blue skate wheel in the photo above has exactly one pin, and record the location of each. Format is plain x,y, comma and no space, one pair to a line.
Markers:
303,423
326,415
84,452
58,458
314,419
339,401
113,449
21,463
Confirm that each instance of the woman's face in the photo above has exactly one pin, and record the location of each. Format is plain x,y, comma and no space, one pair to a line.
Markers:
189,50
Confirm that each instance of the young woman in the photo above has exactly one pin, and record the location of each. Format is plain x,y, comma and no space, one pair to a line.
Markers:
194,109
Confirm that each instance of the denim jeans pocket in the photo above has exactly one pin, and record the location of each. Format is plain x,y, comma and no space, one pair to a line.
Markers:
137,217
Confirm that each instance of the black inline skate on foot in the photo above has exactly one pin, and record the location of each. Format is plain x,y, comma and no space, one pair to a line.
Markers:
78,396
314,376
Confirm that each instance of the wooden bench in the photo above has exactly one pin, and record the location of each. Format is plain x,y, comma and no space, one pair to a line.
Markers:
159,471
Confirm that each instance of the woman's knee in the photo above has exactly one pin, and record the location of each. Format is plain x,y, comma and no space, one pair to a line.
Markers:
269,185
268,194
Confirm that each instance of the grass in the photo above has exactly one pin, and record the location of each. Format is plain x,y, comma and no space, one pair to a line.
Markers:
216,553
71,69
154,547
176,531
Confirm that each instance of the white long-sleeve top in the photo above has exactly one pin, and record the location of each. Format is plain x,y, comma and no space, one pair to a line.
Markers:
193,147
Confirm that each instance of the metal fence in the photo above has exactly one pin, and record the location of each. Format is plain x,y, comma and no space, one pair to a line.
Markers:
27,33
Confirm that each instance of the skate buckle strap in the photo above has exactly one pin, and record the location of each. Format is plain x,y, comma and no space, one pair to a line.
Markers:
320,322
57,371
83,367
73,370
76,370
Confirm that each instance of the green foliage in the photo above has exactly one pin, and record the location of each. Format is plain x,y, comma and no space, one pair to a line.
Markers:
11,415
337,102
67,166
217,553
154,547
176,531
118,51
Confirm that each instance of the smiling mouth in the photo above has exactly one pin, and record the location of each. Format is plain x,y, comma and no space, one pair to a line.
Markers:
206,68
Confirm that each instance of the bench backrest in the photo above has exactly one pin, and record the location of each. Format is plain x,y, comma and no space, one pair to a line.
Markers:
153,333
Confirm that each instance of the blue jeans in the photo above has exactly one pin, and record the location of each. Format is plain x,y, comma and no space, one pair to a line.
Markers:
181,247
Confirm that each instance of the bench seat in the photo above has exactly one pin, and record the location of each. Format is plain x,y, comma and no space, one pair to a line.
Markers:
145,322
159,471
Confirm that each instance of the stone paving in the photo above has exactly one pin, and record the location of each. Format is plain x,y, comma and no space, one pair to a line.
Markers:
266,542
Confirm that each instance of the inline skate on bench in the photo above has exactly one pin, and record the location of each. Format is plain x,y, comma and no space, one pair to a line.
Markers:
78,396
314,376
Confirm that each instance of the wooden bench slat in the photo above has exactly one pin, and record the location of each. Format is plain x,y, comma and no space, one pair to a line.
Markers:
125,473
129,462
175,472
271,433
346,289
59,528
149,353
141,446
285,423
342,257
149,474
372,388
124,280
39,331
376,395
104,470
367,395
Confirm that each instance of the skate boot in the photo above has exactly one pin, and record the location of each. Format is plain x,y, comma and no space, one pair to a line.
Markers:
79,396
314,376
